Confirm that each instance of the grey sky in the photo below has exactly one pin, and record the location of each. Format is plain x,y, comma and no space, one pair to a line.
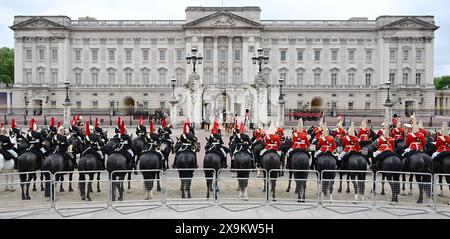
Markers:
270,9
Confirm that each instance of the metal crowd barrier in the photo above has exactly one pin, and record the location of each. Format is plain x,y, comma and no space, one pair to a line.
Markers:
229,193
144,194
199,191
360,197
442,194
11,195
303,194
87,196
399,203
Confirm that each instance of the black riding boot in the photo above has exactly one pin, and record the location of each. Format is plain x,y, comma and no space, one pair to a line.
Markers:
174,165
74,162
15,163
102,162
313,163
232,164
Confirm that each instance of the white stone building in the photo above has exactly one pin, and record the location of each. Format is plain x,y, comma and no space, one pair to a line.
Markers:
328,65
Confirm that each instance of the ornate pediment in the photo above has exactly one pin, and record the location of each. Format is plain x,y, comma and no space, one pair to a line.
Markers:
37,23
409,23
223,19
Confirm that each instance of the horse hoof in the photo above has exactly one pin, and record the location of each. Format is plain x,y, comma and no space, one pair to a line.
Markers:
28,198
296,192
274,200
42,189
339,190
348,191
419,201
70,189
382,193
113,199
409,194
83,198
158,189
89,199
403,194
147,198
62,190
99,191
287,190
34,190
440,195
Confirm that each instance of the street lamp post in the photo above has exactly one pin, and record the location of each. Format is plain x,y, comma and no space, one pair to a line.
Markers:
194,59
281,102
260,59
173,102
67,105
388,104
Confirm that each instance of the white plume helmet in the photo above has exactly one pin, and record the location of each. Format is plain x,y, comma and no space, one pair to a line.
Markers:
420,125
364,123
325,130
351,130
399,124
444,129
339,124
414,126
384,124
272,129
300,126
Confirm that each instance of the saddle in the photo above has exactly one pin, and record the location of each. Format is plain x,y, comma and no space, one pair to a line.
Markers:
442,155
91,151
290,153
411,153
151,150
329,154
384,155
271,150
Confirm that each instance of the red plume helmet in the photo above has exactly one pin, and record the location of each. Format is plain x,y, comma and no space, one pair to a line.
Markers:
152,127
52,122
122,128
97,124
141,120
236,126
242,128
163,122
31,123
13,123
215,129
118,121
2,125
186,127
74,121
59,123
87,131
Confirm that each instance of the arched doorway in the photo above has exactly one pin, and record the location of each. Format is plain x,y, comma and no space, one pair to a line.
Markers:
128,105
316,104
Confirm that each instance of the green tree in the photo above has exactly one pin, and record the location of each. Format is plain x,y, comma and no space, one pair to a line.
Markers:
442,82
7,66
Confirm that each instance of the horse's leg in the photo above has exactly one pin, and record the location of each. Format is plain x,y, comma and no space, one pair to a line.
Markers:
362,184
70,182
208,187
340,181
440,185
121,187
42,180
98,182
419,181
447,179
129,182
23,179
403,180
61,179
383,177
410,184
188,185
158,183
113,189
182,188
289,182
34,183
355,186
91,178
82,186
348,184
265,182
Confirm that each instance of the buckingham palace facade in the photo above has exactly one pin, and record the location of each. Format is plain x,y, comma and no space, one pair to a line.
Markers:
327,65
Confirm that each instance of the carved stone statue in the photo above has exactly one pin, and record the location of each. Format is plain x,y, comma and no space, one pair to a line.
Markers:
191,84
260,81
223,21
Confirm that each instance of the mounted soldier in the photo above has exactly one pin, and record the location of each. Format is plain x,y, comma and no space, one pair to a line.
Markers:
215,143
187,141
350,143
415,141
300,141
102,136
385,146
141,131
125,144
339,131
62,146
153,142
442,143
93,144
240,142
117,134
363,132
7,148
326,143
272,142
318,132
75,130
35,139
398,133
381,131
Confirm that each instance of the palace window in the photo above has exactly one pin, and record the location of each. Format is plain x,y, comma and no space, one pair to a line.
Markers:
392,77
223,54
28,75
41,54
351,78
54,54
334,55
237,54
162,55
367,107
208,55
405,55
77,78
237,76
179,55
300,78
94,53
94,78
145,55
128,78
54,76
317,78
368,55
317,55
368,79
283,55
78,55
300,55
128,55
418,78
350,105
111,78
419,55
111,54
41,75
333,79
392,55
28,54
351,55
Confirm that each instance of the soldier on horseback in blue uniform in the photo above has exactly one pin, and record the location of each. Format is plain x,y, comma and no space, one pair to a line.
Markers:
125,144
62,146
187,141
94,144
241,142
35,139
141,131
153,142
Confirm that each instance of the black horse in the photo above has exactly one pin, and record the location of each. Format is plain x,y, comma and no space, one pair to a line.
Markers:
212,160
419,162
88,162
326,161
390,163
117,161
442,166
55,163
299,161
137,146
256,151
149,160
111,147
166,147
242,160
185,160
271,160
28,163
356,162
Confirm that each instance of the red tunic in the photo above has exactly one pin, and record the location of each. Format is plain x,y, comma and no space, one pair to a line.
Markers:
300,141
318,133
351,143
327,144
398,134
363,134
272,142
380,132
423,131
339,133
443,144
385,144
416,141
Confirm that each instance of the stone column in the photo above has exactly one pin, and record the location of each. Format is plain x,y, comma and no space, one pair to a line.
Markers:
280,120
215,60
173,111
67,114
388,112
9,102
